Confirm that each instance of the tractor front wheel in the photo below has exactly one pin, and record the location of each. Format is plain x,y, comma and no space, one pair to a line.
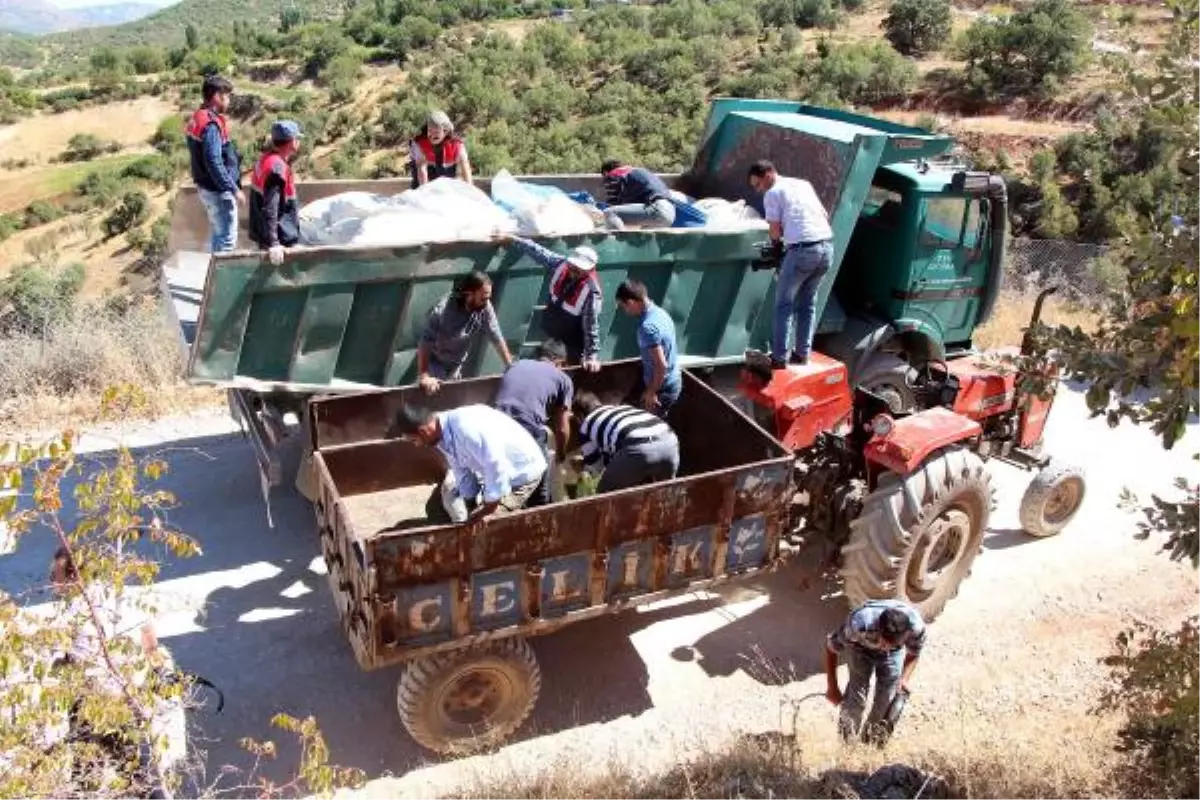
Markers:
918,535
1052,499
471,699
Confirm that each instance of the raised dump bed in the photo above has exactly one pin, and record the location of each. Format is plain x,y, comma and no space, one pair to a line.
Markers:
409,591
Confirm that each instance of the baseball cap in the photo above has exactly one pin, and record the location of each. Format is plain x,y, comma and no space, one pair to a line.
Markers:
583,257
285,130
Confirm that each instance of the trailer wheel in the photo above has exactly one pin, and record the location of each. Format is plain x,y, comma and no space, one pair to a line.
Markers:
1052,499
917,536
469,699
888,376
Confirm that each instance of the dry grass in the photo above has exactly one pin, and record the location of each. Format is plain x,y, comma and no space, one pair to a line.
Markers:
43,136
48,382
1012,313
964,757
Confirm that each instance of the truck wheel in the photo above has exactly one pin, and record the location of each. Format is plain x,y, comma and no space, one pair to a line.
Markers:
1052,499
889,376
917,536
469,699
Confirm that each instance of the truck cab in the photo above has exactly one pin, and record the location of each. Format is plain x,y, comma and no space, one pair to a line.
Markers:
925,258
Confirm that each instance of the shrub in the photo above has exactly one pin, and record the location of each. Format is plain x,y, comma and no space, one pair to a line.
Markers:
169,137
865,73
34,297
40,212
133,210
9,224
1156,688
1032,51
918,27
87,146
100,189
147,60
155,169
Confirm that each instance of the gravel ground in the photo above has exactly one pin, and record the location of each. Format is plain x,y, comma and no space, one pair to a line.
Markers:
1018,647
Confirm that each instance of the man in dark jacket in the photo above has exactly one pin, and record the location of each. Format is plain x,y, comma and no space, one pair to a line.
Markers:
216,164
274,208
635,195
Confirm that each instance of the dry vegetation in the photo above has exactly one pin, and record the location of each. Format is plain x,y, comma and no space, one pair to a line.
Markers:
55,381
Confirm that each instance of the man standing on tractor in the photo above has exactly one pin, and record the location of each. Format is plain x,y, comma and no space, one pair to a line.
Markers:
572,313
216,164
453,325
661,381
274,208
873,639
799,227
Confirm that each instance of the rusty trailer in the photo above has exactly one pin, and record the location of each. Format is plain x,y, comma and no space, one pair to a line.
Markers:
453,602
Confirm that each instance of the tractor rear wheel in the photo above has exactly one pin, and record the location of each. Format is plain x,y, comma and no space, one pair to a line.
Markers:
471,699
1052,499
918,535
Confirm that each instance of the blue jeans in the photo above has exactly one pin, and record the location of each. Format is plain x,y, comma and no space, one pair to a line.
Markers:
863,663
222,211
660,212
796,297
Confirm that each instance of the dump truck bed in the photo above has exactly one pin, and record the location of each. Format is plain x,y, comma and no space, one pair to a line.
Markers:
340,318
404,588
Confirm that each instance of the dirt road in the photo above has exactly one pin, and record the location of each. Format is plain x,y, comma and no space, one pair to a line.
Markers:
1016,647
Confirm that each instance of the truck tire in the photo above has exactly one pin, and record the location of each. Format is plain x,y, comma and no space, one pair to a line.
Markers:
1052,499
470,699
917,536
889,377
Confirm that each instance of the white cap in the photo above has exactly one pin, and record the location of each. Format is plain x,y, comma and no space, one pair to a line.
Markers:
584,258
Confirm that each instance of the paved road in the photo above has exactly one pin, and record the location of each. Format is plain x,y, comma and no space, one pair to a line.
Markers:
254,615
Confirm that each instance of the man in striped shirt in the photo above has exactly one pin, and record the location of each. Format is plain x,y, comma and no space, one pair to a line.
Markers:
881,638
634,446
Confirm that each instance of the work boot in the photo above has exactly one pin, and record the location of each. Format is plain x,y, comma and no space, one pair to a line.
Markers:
777,363
798,359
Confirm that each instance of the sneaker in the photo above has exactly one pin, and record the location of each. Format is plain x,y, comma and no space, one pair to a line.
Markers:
798,359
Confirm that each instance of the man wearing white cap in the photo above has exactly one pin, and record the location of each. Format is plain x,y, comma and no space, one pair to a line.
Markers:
572,313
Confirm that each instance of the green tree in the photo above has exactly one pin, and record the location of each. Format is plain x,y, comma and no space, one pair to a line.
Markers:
191,36
87,146
918,27
147,60
1031,51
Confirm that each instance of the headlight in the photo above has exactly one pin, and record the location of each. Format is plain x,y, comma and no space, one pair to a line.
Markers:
881,425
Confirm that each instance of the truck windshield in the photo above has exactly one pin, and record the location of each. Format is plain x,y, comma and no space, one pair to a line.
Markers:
944,221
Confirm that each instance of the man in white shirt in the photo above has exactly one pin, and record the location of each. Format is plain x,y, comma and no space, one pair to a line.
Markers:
489,454
800,224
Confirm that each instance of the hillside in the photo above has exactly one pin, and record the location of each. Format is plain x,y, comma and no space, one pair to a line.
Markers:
39,16
165,28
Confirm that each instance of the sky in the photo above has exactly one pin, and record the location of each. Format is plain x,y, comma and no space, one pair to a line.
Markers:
86,3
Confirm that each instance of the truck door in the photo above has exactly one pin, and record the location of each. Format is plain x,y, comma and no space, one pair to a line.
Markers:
950,265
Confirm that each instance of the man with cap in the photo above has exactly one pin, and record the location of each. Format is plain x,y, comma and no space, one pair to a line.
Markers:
572,314
274,208
216,164
437,152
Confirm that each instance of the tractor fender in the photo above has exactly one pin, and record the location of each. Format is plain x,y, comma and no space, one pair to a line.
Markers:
864,335
913,438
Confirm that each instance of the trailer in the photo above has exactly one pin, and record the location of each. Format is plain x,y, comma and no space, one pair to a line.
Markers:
454,604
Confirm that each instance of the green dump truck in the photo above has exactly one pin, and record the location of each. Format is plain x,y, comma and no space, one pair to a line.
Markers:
918,252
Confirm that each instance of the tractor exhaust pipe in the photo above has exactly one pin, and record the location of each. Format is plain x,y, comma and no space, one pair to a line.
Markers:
1035,318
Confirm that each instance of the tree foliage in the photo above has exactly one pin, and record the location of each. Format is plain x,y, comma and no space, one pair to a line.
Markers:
1032,51
918,27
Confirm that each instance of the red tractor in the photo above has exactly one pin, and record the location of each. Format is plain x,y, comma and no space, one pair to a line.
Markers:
905,498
